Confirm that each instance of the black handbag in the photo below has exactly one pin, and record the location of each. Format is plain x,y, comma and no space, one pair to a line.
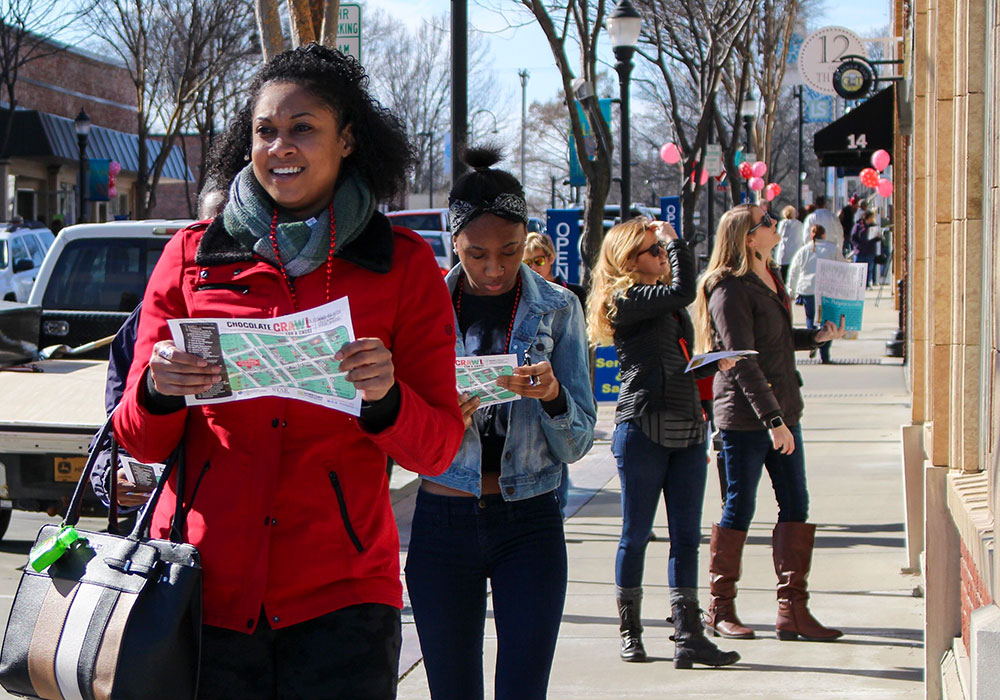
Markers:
115,616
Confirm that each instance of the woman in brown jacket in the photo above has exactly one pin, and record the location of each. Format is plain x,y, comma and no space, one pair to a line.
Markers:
742,305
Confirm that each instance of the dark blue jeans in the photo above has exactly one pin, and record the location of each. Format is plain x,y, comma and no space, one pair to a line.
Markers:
747,453
646,470
869,260
809,305
457,545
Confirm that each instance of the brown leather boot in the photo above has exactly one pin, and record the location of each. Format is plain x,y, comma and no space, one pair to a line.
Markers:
726,562
793,546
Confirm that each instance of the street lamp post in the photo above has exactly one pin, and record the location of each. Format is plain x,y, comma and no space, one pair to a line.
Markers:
748,110
472,124
624,26
798,180
430,166
82,126
523,75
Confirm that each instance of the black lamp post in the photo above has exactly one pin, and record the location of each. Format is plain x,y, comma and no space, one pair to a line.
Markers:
624,26
82,126
430,167
748,110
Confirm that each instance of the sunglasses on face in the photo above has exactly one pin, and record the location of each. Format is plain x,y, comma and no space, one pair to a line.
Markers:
655,250
537,261
767,221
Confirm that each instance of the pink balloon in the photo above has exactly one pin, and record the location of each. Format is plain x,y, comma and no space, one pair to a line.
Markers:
881,159
885,187
112,191
756,184
759,169
704,177
670,153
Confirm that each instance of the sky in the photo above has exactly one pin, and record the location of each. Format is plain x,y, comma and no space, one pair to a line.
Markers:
525,47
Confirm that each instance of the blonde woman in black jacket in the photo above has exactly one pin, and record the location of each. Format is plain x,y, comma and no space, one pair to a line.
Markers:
660,439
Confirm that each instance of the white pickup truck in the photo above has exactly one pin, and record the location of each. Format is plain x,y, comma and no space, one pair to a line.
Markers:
92,277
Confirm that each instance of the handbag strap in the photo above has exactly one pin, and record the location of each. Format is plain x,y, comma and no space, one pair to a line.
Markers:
112,487
142,522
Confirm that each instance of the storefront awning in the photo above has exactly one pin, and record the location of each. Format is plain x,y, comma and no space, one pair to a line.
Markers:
850,141
47,136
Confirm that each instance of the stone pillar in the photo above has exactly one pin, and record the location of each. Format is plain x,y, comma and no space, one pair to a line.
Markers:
942,579
984,653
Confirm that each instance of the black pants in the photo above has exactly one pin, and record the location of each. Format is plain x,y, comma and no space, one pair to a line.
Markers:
350,654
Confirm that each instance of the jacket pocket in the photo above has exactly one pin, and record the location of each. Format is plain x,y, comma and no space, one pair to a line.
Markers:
241,288
335,481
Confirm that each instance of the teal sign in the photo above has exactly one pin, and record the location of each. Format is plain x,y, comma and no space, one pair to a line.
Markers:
576,176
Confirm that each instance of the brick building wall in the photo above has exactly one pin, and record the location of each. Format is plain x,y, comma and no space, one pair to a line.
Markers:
172,199
64,82
974,592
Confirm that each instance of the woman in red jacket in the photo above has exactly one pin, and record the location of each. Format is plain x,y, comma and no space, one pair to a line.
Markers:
287,501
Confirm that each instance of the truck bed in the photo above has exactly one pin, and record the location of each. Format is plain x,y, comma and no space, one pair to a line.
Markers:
62,406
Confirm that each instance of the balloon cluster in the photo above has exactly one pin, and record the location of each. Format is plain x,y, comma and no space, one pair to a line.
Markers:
113,169
871,177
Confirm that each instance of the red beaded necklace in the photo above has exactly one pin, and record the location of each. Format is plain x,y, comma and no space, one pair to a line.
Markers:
513,313
329,257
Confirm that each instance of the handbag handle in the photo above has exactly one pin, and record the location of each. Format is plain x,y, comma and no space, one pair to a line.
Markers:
142,522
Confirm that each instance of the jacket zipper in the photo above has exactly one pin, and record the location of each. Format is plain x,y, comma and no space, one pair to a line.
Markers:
241,288
343,512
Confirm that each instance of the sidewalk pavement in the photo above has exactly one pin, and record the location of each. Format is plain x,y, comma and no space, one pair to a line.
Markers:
854,408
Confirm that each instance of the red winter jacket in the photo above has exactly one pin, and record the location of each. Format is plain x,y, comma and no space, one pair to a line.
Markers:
289,501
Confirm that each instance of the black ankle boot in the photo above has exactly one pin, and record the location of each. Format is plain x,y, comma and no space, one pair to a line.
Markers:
690,644
629,611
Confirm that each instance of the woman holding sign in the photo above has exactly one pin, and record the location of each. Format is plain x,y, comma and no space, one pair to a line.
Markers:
493,516
638,302
287,501
742,305
802,279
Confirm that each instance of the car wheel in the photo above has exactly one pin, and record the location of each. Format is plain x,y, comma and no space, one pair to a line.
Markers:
5,514
9,297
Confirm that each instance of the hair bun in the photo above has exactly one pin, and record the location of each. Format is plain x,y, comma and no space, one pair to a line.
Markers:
482,158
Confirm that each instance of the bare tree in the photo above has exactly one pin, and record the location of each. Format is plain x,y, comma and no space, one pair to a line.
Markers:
170,50
25,30
579,23
689,43
309,20
410,72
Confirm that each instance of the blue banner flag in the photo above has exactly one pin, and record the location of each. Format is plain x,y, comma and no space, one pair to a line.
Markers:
607,377
670,211
97,190
576,176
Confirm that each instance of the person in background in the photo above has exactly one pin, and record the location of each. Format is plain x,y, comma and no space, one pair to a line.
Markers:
848,214
638,301
742,305
540,256
825,218
864,244
802,280
287,501
493,517
790,230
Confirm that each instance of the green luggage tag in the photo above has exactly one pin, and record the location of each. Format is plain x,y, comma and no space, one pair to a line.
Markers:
48,552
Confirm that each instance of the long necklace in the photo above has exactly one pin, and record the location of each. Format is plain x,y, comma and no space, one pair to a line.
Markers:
513,313
329,257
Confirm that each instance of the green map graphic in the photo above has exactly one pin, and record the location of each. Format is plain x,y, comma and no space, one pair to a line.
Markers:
261,360
479,381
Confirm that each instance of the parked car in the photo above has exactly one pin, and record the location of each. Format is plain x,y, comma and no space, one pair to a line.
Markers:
22,250
440,242
421,219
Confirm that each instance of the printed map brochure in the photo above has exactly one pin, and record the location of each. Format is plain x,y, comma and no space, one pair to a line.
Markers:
478,375
287,356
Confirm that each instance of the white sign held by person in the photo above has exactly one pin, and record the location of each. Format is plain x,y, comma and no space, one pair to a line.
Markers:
840,291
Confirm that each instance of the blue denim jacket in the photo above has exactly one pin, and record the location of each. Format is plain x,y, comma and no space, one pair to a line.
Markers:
549,323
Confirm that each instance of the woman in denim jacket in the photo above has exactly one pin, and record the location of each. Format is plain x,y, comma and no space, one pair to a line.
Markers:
493,516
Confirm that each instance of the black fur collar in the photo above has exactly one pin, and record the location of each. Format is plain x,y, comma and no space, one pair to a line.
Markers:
372,250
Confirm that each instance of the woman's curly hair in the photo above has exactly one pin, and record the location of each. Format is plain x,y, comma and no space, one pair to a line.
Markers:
382,153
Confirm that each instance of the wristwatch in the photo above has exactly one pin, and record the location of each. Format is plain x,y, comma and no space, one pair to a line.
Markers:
775,422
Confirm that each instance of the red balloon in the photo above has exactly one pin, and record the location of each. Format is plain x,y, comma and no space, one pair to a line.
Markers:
869,177
746,170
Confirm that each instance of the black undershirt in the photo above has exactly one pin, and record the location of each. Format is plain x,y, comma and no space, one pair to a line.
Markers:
484,323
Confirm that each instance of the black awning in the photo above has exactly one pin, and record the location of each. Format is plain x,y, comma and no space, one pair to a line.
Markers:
850,141
52,138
